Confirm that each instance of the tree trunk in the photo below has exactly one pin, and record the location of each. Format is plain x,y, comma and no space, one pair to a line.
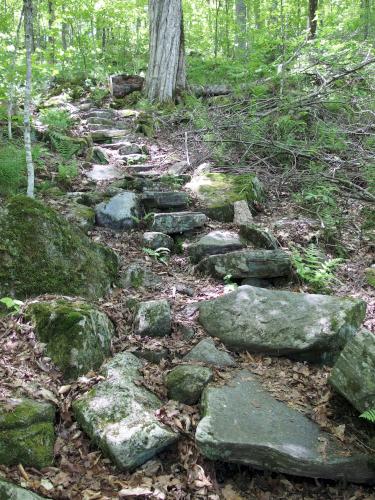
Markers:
313,22
166,68
51,37
28,14
12,83
241,27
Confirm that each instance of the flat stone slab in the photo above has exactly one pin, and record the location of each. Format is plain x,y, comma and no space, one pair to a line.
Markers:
119,415
27,434
243,423
165,200
10,491
214,243
303,326
120,212
247,264
178,222
353,374
104,135
104,173
207,352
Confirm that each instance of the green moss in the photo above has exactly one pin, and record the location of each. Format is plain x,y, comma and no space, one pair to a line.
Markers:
25,412
42,253
370,276
186,382
78,337
31,446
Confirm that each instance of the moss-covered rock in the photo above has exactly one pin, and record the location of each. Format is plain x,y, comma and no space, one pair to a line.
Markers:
27,433
40,252
185,383
217,192
78,336
138,276
9,491
78,214
370,275
153,319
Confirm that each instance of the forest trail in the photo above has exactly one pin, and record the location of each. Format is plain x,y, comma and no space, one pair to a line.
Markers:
273,413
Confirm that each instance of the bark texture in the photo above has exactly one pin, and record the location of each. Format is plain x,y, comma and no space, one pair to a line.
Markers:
166,69
28,13
313,22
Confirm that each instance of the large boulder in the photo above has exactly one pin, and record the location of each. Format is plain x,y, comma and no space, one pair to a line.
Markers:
304,326
216,192
27,433
78,336
353,373
185,383
247,264
153,318
119,415
120,212
178,222
123,85
10,491
40,252
213,243
244,424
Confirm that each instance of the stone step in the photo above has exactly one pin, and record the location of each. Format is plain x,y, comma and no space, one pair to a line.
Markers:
104,173
165,200
118,414
134,159
99,113
244,424
213,243
105,135
281,323
120,212
178,222
247,264
111,126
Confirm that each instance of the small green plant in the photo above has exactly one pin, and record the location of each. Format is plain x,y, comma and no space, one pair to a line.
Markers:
98,94
314,269
64,145
160,254
12,167
369,415
143,221
66,172
56,119
230,285
12,306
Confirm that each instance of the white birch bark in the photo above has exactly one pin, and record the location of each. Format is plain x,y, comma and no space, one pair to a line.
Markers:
28,14
12,84
166,69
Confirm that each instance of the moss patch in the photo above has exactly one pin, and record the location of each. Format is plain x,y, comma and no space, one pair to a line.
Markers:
41,253
77,335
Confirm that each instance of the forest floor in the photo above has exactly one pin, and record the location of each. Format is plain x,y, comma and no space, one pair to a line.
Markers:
82,473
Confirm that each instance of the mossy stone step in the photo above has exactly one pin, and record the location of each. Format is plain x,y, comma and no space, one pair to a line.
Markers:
178,222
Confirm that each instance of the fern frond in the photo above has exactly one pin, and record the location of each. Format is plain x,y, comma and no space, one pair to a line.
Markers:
369,415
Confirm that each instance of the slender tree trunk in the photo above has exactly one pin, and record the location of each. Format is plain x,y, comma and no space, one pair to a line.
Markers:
28,13
166,69
366,10
51,38
313,22
12,83
241,27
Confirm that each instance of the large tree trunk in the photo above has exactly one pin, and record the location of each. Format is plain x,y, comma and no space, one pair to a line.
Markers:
166,69
313,22
28,14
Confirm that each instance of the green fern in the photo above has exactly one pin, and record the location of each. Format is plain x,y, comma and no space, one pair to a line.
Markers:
369,415
56,119
64,145
312,267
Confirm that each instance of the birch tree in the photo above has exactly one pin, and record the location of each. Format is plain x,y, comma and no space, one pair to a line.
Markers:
28,15
166,69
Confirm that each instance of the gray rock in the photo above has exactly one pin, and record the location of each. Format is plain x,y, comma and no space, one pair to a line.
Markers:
27,434
138,276
247,264
119,415
214,243
120,212
304,326
152,355
165,200
100,120
134,159
10,491
178,222
153,319
104,173
77,335
106,114
178,168
130,149
353,374
244,424
100,156
108,135
78,214
259,237
185,383
156,240
187,332
207,352
242,214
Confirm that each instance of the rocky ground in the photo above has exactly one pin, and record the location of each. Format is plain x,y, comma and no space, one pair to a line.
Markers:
206,301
